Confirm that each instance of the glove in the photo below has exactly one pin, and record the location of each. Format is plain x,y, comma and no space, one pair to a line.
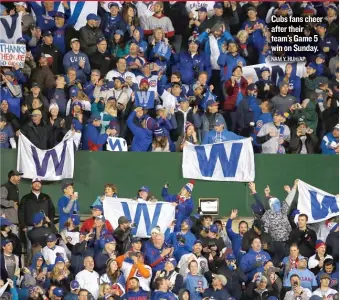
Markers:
294,213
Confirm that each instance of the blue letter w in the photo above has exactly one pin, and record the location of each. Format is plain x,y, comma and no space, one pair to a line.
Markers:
142,207
115,144
229,166
322,210
58,165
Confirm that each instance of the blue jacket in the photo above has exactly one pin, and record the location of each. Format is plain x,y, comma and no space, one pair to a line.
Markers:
179,248
249,260
153,258
236,238
13,102
203,39
140,295
221,294
228,62
168,125
92,139
334,284
110,24
142,137
89,89
71,60
189,66
60,98
216,137
183,209
195,281
158,295
326,143
331,43
257,39
62,203
59,38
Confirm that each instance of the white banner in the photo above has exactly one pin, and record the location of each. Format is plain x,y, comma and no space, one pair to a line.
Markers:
144,215
11,54
317,204
276,70
10,28
53,164
116,144
228,161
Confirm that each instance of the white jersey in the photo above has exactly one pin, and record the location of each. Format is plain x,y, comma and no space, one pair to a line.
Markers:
89,281
329,294
153,80
144,11
51,254
126,75
193,6
86,106
143,282
187,258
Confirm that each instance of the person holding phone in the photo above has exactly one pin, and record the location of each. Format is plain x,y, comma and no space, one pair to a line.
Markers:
297,291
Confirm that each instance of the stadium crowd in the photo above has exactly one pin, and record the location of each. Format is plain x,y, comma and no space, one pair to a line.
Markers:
155,76
278,257
188,58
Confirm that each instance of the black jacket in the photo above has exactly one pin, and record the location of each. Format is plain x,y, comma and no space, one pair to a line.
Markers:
176,133
250,235
28,99
295,145
30,205
88,37
12,191
123,239
178,15
38,235
332,243
235,278
11,119
305,241
39,135
104,62
78,252
252,294
17,249
52,50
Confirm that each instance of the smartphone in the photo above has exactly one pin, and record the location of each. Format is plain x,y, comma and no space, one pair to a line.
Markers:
151,66
45,270
42,212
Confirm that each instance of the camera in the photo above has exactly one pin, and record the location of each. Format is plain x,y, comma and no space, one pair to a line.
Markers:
273,270
132,254
180,238
295,284
133,225
101,99
42,212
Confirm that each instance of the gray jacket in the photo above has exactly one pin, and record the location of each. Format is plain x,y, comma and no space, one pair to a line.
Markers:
8,207
282,103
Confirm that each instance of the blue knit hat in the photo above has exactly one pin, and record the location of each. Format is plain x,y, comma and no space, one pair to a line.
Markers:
59,259
37,218
190,186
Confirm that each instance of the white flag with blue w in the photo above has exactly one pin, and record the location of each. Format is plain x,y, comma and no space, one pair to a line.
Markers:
10,28
228,161
317,204
145,215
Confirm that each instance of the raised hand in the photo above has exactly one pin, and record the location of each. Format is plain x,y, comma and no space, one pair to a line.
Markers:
234,213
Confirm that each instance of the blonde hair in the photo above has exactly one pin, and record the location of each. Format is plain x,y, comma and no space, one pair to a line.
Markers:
102,288
56,272
242,33
159,29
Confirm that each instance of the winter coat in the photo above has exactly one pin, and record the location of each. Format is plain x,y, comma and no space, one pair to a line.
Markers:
308,114
253,294
88,37
253,261
305,241
92,139
311,142
229,103
39,135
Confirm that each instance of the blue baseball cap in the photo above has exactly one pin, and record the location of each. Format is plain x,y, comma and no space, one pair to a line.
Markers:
218,5
279,112
59,14
97,207
121,79
188,221
75,219
144,189
9,73
113,4
4,222
59,259
252,87
99,40
51,237
211,102
333,6
120,32
74,91
136,239
173,261
37,218
213,228
263,69
285,6
324,25
74,285
109,239
231,256
183,99
198,242
218,122
92,17
21,40
47,33
95,117
202,9
4,242
321,55
58,292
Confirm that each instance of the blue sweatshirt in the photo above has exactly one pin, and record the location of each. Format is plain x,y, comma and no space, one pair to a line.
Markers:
181,248
13,102
307,278
59,38
228,62
217,137
140,295
236,238
142,137
153,258
183,209
92,139
249,261
71,60
63,216
158,295
257,39
192,282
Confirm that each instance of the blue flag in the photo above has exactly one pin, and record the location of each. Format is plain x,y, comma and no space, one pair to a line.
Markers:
145,99
162,50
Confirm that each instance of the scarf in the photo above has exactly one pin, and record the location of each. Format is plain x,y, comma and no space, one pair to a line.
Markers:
214,51
281,149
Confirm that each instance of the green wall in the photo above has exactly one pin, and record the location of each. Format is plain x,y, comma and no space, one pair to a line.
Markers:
129,171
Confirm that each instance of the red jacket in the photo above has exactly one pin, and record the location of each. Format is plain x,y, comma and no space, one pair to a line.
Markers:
232,91
89,223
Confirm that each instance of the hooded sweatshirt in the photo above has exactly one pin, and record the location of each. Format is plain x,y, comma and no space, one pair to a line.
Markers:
253,261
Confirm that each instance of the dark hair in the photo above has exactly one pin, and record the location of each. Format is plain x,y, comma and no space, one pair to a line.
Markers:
255,239
218,222
177,74
158,282
328,262
134,278
193,261
294,275
293,245
203,72
303,215
241,222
